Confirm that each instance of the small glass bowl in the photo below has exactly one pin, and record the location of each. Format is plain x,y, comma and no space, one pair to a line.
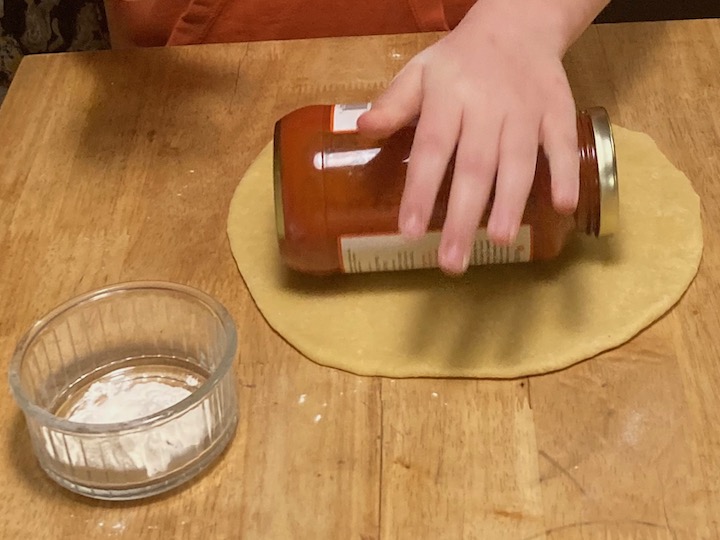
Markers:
128,391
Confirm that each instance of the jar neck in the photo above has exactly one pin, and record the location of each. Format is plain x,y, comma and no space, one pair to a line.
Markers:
587,215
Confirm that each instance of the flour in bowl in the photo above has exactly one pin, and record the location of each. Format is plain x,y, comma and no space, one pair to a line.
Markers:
122,399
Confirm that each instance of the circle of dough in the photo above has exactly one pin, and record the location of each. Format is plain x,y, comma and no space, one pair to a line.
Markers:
496,321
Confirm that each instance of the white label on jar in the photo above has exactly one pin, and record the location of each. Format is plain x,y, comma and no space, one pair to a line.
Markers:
344,117
387,252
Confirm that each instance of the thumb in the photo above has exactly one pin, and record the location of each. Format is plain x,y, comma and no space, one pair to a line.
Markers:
397,106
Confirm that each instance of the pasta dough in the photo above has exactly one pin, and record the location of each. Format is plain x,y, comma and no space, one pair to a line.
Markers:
496,321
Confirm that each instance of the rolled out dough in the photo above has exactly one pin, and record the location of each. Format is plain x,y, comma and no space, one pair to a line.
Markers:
496,321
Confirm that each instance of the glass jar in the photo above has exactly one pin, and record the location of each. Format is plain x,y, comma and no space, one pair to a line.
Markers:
337,197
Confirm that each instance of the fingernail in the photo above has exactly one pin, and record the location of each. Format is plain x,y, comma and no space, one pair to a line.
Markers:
466,261
513,230
452,259
566,205
504,232
411,227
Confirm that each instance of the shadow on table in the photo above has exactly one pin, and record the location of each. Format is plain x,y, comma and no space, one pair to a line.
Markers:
518,305
466,311
156,108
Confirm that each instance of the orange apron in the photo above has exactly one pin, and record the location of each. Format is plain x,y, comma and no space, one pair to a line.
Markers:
184,22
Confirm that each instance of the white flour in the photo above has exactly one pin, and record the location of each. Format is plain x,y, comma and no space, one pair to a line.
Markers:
122,400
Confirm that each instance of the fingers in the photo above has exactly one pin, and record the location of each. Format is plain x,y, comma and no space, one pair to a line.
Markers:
473,178
397,106
558,133
497,148
433,144
516,172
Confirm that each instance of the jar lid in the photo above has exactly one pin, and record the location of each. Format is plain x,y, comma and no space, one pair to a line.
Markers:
607,171
277,184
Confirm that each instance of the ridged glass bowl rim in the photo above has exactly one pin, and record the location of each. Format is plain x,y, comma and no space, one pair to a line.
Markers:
51,421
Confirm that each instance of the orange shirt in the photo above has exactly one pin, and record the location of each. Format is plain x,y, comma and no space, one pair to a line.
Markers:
184,22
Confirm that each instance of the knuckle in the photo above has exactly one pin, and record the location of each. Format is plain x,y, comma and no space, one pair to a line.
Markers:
430,143
518,148
465,90
566,139
476,165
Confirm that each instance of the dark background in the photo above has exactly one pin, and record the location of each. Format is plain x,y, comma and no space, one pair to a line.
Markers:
658,10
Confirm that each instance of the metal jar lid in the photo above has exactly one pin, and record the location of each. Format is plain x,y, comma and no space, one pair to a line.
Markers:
607,171
278,184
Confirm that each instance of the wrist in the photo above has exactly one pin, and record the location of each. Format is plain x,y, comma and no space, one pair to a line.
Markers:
554,24
573,17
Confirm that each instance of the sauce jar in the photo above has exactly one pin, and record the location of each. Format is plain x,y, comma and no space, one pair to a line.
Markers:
337,197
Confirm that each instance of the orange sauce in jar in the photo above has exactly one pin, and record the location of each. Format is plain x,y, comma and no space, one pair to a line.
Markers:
337,197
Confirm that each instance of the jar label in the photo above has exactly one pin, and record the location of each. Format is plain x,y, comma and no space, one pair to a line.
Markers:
386,252
344,117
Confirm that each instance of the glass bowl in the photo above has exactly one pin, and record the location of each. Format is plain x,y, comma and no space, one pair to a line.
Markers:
128,391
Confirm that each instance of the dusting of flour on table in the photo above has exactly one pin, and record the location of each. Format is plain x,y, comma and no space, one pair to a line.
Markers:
123,400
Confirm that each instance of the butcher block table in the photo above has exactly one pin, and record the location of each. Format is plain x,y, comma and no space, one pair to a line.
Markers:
118,166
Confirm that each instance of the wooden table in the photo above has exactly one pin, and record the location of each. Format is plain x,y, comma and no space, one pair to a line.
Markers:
120,166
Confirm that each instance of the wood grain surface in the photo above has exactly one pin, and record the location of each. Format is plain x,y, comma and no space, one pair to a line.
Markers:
118,166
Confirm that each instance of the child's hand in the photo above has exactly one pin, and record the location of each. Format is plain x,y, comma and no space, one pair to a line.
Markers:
494,88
